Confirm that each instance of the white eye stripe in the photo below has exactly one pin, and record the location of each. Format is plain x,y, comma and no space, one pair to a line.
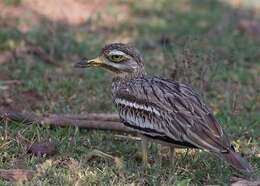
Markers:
116,52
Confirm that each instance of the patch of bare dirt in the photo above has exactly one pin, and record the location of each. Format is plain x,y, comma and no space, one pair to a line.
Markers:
69,11
31,12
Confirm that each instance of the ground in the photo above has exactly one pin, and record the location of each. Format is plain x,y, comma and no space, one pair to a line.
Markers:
211,45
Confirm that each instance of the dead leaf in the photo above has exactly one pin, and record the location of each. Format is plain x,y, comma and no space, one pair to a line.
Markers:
42,149
16,174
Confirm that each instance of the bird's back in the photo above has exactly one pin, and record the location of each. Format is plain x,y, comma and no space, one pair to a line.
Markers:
168,110
174,113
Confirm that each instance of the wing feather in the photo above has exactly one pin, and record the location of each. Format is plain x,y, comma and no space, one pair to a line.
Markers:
165,108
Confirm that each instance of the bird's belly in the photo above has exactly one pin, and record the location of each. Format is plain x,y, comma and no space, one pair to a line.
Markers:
160,137
170,142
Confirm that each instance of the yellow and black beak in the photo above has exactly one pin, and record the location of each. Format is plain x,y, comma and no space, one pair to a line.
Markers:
85,63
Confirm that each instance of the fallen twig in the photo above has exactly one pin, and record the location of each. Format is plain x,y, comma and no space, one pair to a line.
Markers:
88,121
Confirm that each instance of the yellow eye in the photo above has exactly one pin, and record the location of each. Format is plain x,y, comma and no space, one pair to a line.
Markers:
116,58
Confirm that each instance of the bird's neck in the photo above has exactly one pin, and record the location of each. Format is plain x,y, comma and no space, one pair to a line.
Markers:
124,78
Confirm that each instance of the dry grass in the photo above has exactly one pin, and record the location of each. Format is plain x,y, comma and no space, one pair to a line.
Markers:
197,42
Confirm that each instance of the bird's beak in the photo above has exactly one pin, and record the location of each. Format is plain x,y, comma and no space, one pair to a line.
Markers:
84,63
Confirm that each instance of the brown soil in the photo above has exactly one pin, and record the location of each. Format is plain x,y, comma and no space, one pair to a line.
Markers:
31,12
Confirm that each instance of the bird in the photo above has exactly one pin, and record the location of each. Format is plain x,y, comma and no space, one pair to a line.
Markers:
162,109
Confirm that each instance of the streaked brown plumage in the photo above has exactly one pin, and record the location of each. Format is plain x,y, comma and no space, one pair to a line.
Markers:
163,109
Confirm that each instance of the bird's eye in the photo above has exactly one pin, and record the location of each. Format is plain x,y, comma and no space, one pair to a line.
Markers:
116,58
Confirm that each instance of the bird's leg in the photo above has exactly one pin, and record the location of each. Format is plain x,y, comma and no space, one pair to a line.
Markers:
159,154
145,152
172,158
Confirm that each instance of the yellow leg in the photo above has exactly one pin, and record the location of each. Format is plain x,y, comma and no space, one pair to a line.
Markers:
172,158
145,152
159,155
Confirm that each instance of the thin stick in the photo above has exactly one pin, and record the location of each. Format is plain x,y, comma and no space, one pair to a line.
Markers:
87,121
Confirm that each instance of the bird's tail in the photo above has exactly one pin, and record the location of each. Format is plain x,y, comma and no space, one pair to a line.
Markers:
236,161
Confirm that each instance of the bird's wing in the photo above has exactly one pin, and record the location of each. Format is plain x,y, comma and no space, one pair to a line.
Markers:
160,107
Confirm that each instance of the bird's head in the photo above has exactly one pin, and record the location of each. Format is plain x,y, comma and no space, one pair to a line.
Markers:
118,58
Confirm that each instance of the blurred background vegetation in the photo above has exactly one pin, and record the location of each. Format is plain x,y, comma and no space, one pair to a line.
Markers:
211,45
